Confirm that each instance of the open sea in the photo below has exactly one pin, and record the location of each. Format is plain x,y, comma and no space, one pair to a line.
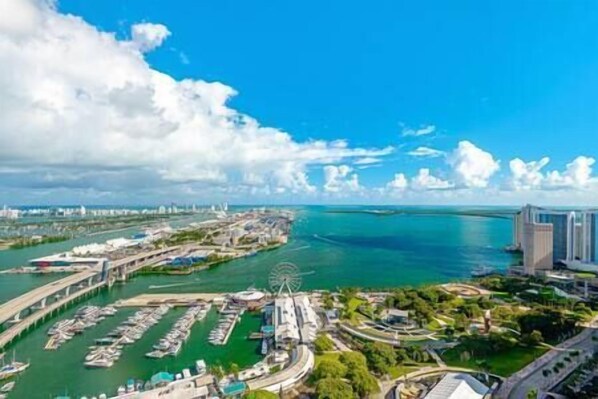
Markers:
332,246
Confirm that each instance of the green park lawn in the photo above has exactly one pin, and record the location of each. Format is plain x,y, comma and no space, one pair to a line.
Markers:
503,364
354,303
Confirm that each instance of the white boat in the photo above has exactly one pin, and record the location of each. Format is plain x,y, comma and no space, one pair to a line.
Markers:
12,368
6,388
200,367
175,349
61,325
155,354
102,363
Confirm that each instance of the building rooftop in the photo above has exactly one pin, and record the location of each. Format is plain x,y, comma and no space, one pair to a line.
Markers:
285,320
249,296
236,388
458,386
161,378
396,313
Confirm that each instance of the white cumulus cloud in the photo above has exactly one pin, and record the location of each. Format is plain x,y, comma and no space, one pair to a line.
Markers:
398,183
527,175
339,179
86,108
578,174
147,36
425,181
472,166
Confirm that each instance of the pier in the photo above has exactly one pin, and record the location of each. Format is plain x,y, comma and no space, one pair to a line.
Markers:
185,299
25,311
130,331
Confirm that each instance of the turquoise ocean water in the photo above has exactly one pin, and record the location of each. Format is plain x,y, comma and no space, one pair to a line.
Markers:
331,249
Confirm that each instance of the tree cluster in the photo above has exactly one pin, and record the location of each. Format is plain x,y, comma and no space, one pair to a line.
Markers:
422,302
346,378
551,323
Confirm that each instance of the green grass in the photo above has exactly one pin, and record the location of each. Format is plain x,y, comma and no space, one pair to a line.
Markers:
354,303
585,275
503,364
501,295
351,310
448,320
434,325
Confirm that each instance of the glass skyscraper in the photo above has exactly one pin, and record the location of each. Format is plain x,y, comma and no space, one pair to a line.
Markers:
589,222
563,224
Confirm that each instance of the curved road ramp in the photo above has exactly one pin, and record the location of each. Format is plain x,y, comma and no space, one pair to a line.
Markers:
302,364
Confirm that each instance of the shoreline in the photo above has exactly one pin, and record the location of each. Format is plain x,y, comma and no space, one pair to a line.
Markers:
413,212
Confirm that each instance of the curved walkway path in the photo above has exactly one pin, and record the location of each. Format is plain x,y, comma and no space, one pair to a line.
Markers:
363,333
303,363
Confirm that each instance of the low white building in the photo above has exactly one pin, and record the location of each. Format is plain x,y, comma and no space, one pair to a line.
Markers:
295,321
458,386
286,329
307,319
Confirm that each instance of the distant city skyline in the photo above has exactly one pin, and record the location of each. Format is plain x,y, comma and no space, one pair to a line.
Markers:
133,102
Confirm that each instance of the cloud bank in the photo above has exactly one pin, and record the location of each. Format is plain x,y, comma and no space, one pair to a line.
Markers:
74,99
83,116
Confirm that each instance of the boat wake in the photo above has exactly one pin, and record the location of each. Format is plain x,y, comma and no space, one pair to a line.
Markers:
299,248
155,287
328,240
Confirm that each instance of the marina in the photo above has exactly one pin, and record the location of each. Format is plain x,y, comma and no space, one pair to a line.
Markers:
229,317
109,349
413,194
483,245
85,318
172,342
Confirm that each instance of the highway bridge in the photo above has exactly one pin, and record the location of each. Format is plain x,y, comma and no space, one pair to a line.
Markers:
20,313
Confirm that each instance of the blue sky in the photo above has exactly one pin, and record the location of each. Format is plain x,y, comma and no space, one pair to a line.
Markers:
514,79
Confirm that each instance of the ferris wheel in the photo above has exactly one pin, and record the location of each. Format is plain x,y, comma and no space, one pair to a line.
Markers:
285,277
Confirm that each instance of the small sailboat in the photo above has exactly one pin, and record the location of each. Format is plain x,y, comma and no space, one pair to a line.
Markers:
6,388
12,369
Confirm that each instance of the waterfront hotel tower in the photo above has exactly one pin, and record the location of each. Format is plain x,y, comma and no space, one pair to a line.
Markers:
548,237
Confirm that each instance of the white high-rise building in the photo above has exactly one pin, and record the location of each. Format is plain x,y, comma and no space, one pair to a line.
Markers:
518,230
589,223
578,241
